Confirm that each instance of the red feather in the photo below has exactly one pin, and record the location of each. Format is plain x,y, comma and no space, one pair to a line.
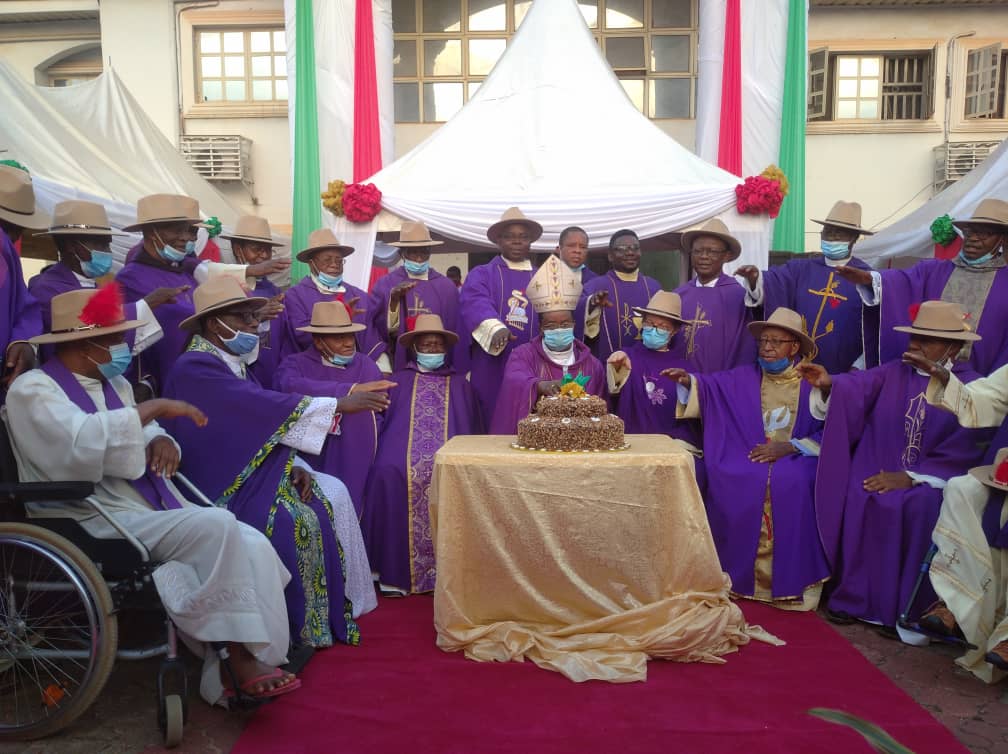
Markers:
349,310
410,324
104,308
1001,473
913,310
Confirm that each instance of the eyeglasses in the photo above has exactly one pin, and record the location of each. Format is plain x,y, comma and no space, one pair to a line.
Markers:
249,318
556,325
980,231
707,252
775,342
514,237
625,249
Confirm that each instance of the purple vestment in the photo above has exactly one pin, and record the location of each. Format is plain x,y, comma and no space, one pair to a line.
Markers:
617,329
732,417
495,291
587,275
427,410
22,318
830,307
715,337
526,367
265,365
349,454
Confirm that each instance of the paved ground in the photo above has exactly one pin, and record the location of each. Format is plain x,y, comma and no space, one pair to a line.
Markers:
124,719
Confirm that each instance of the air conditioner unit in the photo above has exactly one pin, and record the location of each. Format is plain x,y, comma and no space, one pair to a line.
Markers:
218,158
954,159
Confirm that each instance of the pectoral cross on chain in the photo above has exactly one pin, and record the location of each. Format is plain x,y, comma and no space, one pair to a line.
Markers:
827,294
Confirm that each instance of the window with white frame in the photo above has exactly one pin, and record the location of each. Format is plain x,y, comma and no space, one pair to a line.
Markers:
986,72
443,49
241,65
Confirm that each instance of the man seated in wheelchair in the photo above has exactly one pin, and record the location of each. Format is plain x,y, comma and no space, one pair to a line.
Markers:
75,419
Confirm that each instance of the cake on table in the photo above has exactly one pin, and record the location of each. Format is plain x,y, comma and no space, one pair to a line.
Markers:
571,421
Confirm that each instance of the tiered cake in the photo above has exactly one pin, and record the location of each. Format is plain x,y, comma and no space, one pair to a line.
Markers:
563,422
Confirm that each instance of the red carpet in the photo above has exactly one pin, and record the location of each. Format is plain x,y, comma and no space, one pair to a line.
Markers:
398,692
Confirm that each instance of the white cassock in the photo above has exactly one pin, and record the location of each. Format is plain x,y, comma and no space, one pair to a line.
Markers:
967,573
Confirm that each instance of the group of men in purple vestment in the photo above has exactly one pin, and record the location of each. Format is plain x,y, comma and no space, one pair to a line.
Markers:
806,393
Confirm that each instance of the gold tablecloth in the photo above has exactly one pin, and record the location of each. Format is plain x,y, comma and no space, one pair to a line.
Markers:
587,564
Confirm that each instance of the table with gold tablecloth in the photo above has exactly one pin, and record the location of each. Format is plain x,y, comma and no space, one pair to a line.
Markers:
584,563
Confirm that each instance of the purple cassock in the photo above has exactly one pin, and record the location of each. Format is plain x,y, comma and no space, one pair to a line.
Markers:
732,417
349,454
875,542
298,302
495,291
238,461
22,316
526,367
715,337
617,329
427,410
830,307
435,295
265,365
928,280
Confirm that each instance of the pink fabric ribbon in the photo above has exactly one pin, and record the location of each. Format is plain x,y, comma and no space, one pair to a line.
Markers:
730,135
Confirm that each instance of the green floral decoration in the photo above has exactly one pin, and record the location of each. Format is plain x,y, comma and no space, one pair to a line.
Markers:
213,225
942,231
14,164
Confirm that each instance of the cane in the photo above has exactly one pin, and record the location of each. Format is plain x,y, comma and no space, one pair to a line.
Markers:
904,619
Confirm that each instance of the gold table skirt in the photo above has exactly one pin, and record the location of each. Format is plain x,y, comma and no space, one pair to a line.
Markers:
586,564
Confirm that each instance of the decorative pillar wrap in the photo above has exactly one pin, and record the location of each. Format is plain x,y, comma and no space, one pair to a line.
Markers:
730,137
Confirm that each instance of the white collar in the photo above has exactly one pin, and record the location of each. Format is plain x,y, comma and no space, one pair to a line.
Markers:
560,358
85,282
234,363
524,265
712,284
324,289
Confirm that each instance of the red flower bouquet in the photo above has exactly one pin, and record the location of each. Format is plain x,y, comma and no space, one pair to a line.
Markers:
361,202
758,195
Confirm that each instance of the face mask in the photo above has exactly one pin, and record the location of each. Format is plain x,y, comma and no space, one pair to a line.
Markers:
341,361
835,249
416,268
654,338
241,343
120,361
430,360
190,247
776,366
578,268
171,254
99,264
329,281
976,262
559,339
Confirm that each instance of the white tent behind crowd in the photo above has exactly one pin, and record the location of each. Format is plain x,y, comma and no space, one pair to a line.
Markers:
552,131
911,235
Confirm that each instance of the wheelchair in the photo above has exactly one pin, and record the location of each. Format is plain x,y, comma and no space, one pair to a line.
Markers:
61,593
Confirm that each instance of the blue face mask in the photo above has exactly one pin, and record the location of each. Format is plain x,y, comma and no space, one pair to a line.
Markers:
654,338
578,268
329,281
976,262
342,361
119,363
559,339
190,247
835,249
430,360
171,254
241,342
416,268
776,366
99,264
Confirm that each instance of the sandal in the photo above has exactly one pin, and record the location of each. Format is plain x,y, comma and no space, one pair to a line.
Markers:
245,689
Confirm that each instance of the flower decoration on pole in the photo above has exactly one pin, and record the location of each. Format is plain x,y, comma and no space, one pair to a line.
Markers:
361,202
761,194
332,197
947,241
213,226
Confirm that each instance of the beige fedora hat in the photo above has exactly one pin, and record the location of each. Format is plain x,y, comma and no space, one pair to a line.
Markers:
988,212
165,208
218,293
71,320
713,227
940,319
320,240
663,304
785,319
252,228
414,234
846,215
994,475
427,324
17,200
78,218
331,318
513,216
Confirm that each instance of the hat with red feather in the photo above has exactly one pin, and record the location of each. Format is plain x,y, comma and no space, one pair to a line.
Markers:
87,313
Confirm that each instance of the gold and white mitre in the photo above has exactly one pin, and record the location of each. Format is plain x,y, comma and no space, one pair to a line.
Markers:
554,287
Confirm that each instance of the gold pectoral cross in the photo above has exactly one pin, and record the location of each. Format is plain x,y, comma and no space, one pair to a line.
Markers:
695,324
828,294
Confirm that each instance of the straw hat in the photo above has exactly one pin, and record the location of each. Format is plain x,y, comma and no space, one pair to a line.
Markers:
846,215
414,234
940,319
663,304
17,200
320,240
252,228
70,321
785,319
427,324
218,293
77,218
988,212
996,474
718,229
165,208
514,216
555,287
331,318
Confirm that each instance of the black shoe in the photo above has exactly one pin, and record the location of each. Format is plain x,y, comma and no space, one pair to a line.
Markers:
840,617
996,660
889,632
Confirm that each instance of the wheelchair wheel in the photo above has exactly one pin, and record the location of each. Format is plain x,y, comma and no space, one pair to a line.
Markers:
58,632
173,717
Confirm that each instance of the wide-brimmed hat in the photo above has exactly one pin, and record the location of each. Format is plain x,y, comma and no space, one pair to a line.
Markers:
514,216
414,234
988,212
17,200
663,304
73,319
940,319
320,240
427,324
79,218
165,208
218,293
994,475
718,229
846,215
785,319
252,228
331,318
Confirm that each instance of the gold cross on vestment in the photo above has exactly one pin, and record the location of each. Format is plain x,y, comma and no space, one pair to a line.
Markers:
828,294
627,320
695,324
418,307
